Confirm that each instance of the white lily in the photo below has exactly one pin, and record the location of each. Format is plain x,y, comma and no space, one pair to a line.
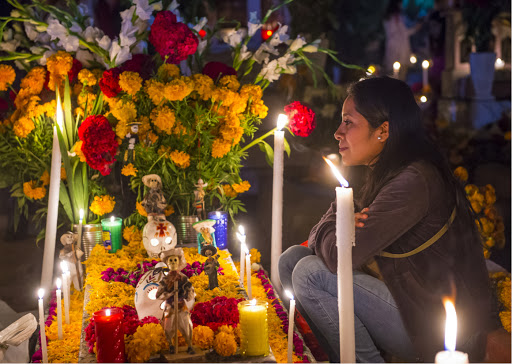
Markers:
119,54
200,25
127,14
285,63
313,47
141,25
262,54
56,29
8,35
297,44
85,57
104,42
31,31
144,10
244,53
201,46
234,38
269,71
90,34
46,55
253,24
280,35
10,45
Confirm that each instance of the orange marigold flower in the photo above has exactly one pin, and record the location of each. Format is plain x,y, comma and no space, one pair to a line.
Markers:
102,205
167,71
130,82
77,149
225,344
169,210
163,118
181,159
63,175
202,336
7,76
220,148
129,170
241,187
461,173
23,126
86,77
140,209
229,191
45,178
31,190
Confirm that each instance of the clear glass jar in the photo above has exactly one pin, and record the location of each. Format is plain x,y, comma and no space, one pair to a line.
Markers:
253,328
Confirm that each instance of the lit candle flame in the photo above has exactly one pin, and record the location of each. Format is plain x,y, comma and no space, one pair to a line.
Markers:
253,302
64,266
241,234
282,120
59,115
40,293
425,64
450,334
81,214
339,177
107,312
413,59
423,98
371,70
499,64
289,294
59,283
247,252
112,219
396,66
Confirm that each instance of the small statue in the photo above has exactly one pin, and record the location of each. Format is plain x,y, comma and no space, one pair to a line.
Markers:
175,286
205,233
133,138
199,194
154,201
211,265
72,254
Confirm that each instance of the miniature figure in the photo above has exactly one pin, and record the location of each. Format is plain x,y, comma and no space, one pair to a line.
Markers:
176,286
199,194
154,201
133,138
72,254
205,233
211,265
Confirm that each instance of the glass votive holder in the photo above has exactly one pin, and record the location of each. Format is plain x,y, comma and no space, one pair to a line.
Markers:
221,227
109,331
253,328
112,233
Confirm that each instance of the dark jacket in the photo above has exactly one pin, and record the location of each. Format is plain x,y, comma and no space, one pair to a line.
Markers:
408,210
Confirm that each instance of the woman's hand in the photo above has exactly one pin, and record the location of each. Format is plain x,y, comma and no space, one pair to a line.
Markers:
361,216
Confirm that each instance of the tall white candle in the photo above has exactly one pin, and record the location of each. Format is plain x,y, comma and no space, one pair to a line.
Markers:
241,236
450,355
291,321
277,201
65,286
425,65
396,69
249,271
59,309
53,204
79,243
42,328
345,239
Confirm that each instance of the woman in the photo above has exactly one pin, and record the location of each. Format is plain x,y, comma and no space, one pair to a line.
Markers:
408,197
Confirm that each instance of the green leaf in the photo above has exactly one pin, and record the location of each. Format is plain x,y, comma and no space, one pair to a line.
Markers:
269,152
65,201
287,147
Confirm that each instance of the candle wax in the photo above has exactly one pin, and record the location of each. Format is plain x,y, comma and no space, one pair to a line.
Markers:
109,335
42,331
290,330
59,314
277,207
451,357
253,328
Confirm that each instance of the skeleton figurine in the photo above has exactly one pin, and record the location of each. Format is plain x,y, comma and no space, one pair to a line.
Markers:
176,284
154,201
133,138
211,265
72,254
199,194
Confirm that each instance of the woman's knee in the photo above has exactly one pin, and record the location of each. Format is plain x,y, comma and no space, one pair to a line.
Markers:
310,270
291,256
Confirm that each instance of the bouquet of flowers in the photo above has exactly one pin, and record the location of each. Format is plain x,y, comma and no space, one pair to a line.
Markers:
169,114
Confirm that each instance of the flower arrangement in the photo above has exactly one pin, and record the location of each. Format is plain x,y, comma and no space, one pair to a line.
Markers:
171,114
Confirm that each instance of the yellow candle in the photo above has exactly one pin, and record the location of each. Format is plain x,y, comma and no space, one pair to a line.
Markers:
253,328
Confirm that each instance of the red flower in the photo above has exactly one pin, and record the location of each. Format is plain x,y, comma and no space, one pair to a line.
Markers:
216,312
172,39
140,63
301,119
216,70
109,83
99,143
73,72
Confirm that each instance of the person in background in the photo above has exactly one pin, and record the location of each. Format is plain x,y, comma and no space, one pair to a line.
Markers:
414,221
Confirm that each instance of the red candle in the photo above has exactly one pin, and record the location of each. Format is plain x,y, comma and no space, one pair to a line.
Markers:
109,335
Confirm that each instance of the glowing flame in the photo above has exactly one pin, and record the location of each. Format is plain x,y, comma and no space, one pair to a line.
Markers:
107,312
450,333
499,64
371,70
282,120
337,174
81,214
59,283
241,234
289,294
396,66
413,59
40,293
423,98
425,64
253,302
112,218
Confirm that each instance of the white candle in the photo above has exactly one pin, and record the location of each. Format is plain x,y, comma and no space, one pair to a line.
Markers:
450,355
241,236
53,204
396,69
42,328
425,65
277,201
249,271
59,309
291,319
345,239
64,267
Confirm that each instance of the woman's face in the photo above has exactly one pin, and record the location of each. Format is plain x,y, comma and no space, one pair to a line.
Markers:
358,143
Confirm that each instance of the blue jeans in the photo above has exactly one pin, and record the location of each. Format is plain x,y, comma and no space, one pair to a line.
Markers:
378,325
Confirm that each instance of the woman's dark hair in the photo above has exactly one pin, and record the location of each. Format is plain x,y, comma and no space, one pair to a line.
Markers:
381,99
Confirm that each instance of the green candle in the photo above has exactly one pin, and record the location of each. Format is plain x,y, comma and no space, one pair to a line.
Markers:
112,233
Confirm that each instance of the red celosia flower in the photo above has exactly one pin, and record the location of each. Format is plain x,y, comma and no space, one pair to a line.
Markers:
301,119
216,312
73,72
99,143
109,83
216,70
172,39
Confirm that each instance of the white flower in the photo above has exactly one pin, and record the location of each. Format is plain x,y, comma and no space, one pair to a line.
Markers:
104,42
244,53
69,43
202,22
8,35
262,54
75,28
91,34
119,54
280,36
31,31
174,8
269,71
127,14
43,38
253,23
128,30
44,58
297,44
10,46
15,14
233,38
144,10
285,63
312,47
85,57
141,25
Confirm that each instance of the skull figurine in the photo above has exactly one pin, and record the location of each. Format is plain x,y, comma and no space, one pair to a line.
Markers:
146,302
158,235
